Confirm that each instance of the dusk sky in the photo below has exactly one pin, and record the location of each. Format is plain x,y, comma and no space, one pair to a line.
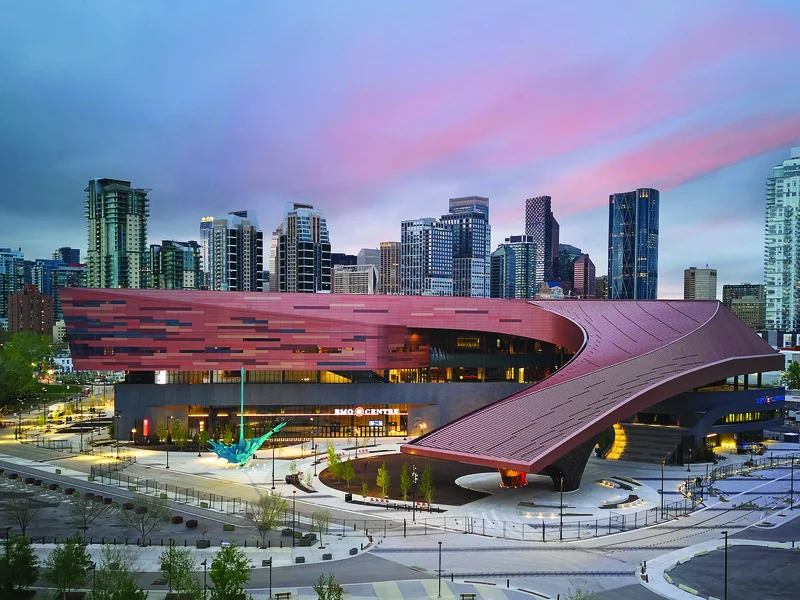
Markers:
380,111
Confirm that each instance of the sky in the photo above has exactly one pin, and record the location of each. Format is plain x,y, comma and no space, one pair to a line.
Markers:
377,112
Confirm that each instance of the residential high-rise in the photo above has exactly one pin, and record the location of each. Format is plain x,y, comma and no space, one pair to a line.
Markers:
30,310
781,250
426,258
67,255
206,229
49,276
175,265
389,274
633,245
699,284
355,279
12,278
567,255
514,268
584,281
601,287
748,301
117,218
468,219
235,247
303,251
540,223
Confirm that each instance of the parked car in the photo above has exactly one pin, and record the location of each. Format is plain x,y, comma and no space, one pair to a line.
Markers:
751,448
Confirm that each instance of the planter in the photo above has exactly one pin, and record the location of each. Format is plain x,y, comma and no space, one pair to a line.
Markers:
191,524
127,506
299,559
52,486
287,531
28,480
13,476
228,527
353,551
90,478
69,491
88,495
176,520
202,544
327,556
204,505
37,482
163,496
58,471
108,500
131,488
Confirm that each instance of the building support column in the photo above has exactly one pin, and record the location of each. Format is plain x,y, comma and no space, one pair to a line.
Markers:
746,378
736,383
758,380
570,466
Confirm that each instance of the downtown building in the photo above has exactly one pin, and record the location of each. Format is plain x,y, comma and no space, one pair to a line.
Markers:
67,255
781,248
633,245
231,252
543,227
748,301
117,215
30,310
301,252
175,265
426,258
514,268
49,276
389,270
699,284
468,219
567,255
584,280
12,279
355,279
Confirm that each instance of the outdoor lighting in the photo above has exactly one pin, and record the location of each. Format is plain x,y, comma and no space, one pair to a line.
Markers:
205,585
169,433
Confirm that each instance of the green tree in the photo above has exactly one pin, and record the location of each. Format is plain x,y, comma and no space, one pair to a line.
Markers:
162,430
293,467
203,439
227,435
321,520
364,489
327,588
84,511
19,567
115,579
146,516
580,594
383,480
248,431
334,462
21,510
267,511
791,376
68,565
348,471
426,484
405,481
20,357
177,567
179,433
230,572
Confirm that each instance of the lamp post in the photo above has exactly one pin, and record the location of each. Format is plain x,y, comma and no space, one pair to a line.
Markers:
199,441
725,593
315,459
561,513
689,462
313,450
662,487
205,585
440,569
269,564
169,433
94,579
414,480
118,417
294,513
791,486
273,465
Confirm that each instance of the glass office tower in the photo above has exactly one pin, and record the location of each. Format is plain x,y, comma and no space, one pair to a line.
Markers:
633,245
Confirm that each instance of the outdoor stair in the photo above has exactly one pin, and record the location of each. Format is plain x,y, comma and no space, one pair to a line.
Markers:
646,443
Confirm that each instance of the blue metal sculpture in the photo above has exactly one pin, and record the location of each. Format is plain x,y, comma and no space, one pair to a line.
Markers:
242,451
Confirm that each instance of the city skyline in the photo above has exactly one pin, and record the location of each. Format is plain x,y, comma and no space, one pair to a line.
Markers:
374,129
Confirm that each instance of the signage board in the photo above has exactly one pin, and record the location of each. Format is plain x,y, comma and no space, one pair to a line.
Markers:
360,412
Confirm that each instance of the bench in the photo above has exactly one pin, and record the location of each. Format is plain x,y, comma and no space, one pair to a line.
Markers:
468,596
280,595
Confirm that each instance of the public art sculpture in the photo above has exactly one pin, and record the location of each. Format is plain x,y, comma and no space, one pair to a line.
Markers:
241,452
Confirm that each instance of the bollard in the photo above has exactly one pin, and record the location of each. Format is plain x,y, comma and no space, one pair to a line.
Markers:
102,540
90,541
281,543
508,583
269,543
245,543
451,578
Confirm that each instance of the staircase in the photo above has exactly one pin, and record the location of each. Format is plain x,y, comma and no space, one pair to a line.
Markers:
644,443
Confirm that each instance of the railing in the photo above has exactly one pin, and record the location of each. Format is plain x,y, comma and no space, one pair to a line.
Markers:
47,444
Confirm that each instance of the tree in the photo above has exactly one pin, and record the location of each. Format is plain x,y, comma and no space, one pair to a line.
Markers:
327,588
115,579
68,565
348,471
293,467
267,511
321,520
405,481
85,511
20,357
579,594
19,567
230,572
227,435
177,566
21,510
383,480
791,376
179,433
146,516
364,490
426,484
334,462
162,431
248,430
309,479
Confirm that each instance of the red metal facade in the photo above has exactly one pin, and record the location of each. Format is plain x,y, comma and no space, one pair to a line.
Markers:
631,354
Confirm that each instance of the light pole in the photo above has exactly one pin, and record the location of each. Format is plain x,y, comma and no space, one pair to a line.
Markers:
561,513
725,593
662,487
689,462
294,513
118,416
414,480
269,563
273,466
169,433
199,441
440,569
94,579
315,459
791,487
205,585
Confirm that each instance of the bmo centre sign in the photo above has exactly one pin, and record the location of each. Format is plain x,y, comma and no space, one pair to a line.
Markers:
360,412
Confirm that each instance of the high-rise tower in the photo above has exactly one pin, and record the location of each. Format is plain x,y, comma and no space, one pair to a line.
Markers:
117,218
302,250
540,223
781,247
235,248
699,284
426,258
633,245
389,274
468,219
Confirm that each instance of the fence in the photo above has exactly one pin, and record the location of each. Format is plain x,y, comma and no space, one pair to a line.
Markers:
754,464
47,444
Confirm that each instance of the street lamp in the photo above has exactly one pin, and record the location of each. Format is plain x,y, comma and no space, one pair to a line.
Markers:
791,487
169,433
294,519
94,579
662,487
118,416
315,459
414,480
205,584
725,595
440,569
273,464
199,440
561,513
269,564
